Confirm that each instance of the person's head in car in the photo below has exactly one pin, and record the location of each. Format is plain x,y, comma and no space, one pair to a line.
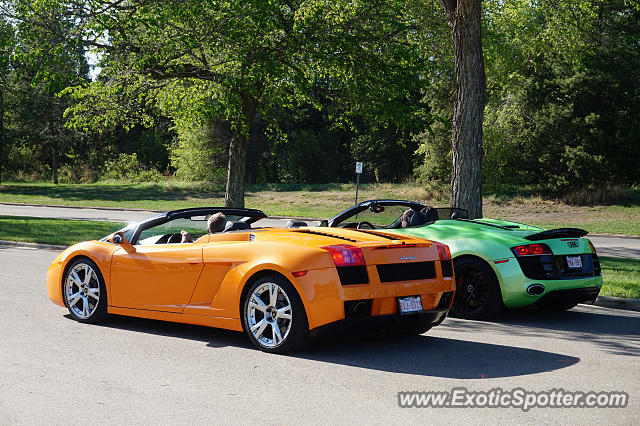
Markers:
406,217
216,223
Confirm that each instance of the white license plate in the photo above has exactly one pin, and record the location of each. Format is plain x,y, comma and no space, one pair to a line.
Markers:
574,262
410,304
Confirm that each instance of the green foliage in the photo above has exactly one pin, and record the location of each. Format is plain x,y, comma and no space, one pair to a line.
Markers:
316,86
127,168
561,110
200,151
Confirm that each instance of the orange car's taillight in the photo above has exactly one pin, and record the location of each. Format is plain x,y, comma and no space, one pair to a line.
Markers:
346,255
443,251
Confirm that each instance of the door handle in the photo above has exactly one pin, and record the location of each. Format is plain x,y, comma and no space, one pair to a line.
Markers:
193,260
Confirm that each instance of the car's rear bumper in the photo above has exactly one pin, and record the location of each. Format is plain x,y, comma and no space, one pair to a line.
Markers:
569,296
326,300
377,323
514,285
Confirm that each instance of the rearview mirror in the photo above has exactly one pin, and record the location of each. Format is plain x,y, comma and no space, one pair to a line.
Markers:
120,239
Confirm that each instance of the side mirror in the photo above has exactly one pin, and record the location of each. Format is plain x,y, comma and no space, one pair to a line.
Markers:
119,239
324,223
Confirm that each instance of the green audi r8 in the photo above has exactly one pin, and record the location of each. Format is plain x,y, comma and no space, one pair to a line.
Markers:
497,263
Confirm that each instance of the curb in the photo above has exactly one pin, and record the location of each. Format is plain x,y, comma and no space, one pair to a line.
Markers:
618,303
633,237
122,209
32,245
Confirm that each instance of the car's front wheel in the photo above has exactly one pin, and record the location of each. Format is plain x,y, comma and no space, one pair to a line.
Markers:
477,290
84,292
273,315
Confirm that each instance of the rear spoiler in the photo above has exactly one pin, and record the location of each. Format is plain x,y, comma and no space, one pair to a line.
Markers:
557,233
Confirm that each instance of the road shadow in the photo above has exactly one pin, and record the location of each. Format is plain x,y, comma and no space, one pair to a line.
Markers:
422,355
432,356
213,337
617,332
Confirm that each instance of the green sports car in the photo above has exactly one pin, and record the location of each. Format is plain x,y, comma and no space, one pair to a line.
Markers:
497,263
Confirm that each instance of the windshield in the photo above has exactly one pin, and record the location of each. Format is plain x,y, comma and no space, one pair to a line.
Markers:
163,233
379,216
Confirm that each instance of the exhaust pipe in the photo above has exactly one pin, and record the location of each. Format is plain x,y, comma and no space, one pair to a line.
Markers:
357,308
535,289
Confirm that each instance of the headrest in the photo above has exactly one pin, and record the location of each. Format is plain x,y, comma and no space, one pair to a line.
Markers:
430,214
236,226
291,223
417,219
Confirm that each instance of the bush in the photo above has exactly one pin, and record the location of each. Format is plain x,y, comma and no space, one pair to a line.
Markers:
200,151
127,168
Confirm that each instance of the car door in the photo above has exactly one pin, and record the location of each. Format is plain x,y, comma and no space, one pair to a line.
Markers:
155,277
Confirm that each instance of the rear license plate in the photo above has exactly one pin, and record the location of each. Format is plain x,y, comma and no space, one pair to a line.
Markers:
574,262
410,304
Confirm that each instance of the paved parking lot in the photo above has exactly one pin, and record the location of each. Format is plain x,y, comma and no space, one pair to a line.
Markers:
55,370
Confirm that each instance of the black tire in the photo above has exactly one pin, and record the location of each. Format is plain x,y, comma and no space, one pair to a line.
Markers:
83,284
477,290
294,331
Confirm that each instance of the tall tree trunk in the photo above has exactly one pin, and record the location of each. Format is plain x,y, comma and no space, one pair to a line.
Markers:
234,196
238,148
463,17
54,164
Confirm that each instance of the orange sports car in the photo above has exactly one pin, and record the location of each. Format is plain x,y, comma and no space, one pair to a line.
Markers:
276,284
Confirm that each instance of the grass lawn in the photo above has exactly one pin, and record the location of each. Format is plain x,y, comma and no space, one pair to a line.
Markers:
53,231
621,277
323,201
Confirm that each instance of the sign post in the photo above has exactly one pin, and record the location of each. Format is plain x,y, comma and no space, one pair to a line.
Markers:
358,173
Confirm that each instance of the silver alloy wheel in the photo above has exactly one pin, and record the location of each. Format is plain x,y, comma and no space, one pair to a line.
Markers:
82,290
269,315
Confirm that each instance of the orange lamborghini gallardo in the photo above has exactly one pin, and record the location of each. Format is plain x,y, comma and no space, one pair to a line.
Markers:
275,284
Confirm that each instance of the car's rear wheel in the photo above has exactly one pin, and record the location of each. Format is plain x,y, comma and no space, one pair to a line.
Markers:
477,290
84,292
273,315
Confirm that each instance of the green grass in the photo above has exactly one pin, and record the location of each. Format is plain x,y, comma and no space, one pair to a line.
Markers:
53,231
325,200
621,277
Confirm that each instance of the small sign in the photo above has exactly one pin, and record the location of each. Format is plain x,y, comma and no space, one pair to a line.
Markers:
358,167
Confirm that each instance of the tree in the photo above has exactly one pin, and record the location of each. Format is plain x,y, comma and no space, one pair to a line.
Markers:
6,50
463,17
48,56
236,60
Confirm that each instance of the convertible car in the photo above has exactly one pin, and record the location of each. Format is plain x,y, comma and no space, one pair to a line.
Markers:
275,284
497,263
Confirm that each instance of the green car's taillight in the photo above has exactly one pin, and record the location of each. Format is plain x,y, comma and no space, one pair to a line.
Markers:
531,250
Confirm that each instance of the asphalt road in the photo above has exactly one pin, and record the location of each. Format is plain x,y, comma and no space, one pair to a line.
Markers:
54,370
606,246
